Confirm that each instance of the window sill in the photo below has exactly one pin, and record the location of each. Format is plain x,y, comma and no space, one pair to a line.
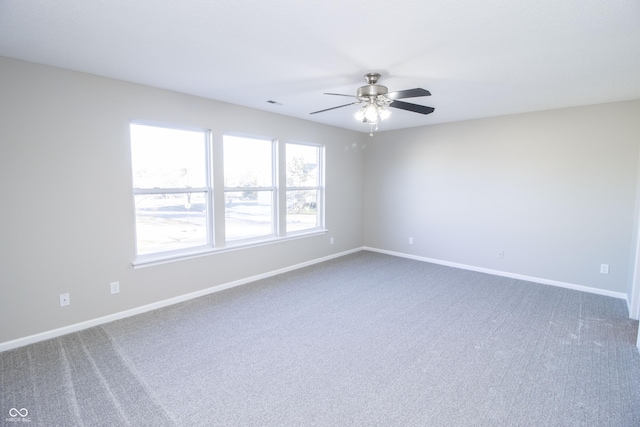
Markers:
150,260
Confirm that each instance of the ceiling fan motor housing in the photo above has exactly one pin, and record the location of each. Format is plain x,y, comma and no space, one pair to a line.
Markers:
372,91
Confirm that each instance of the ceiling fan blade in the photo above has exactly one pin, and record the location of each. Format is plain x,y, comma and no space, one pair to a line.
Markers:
333,108
409,93
340,94
412,107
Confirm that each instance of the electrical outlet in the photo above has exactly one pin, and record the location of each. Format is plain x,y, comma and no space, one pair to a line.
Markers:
64,300
331,240
500,254
411,240
604,268
115,287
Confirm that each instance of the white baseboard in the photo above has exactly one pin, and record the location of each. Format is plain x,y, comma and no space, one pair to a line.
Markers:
505,274
8,345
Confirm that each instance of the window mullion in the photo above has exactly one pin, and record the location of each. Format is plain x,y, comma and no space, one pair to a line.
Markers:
217,160
170,190
236,189
211,237
303,188
280,181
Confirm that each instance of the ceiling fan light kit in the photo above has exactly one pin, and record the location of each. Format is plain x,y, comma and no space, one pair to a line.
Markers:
377,98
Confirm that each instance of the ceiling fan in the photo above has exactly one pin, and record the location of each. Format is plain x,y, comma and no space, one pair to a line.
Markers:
376,98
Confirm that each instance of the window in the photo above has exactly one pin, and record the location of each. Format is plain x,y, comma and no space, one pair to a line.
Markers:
264,191
170,187
304,190
249,190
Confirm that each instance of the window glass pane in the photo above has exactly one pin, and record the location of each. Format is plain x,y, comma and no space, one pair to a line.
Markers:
166,222
302,210
248,214
302,165
247,162
167,158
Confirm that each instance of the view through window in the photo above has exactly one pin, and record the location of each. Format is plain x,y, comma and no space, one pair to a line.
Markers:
303,186
249,191
170,188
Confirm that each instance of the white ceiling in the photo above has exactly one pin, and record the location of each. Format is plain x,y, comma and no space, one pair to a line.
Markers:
478,58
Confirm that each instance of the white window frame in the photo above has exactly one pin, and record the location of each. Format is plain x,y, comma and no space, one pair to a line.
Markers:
215,198
274,188
207,190
320,188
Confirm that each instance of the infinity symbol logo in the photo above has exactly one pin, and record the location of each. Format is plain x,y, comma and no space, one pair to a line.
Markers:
13,412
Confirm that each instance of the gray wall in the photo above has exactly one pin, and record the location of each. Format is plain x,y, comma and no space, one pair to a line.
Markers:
67,224
554,190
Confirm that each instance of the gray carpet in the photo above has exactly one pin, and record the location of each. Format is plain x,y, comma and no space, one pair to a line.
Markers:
363,340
